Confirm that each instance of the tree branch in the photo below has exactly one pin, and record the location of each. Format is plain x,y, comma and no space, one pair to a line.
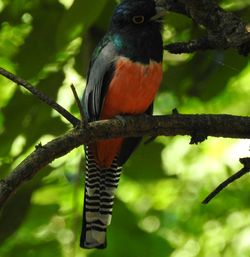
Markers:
131,126
239,174
84,122
200,44
42,97
224,29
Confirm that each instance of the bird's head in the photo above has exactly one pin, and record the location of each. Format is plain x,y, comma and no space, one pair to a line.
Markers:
137,14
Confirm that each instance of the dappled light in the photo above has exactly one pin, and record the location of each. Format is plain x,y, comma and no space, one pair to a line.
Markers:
158,210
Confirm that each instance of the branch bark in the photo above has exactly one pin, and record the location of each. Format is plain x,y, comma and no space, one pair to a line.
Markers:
230,180
223,29
131,126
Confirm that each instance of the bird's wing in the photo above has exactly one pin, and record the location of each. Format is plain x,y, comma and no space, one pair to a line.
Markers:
99,76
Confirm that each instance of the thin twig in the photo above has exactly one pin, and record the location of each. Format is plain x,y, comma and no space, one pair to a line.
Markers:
239,174
79,105
44,98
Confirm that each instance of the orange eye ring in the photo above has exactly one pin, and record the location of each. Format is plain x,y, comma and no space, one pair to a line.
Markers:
139,19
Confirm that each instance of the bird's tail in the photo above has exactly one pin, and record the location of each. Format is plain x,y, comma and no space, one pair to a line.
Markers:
100,185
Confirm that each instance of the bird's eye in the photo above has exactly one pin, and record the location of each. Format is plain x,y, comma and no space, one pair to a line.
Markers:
139,19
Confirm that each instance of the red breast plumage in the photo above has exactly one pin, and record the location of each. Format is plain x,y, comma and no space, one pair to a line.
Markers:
131,91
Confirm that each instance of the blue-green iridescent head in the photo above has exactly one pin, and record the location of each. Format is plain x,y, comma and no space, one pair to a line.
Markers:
135,14
136,30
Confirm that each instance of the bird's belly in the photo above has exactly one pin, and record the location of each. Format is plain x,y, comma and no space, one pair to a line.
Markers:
131,91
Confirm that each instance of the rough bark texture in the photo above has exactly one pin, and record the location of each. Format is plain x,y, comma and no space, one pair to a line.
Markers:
223,29
170,125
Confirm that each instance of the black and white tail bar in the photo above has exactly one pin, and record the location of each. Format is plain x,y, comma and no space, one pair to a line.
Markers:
100,185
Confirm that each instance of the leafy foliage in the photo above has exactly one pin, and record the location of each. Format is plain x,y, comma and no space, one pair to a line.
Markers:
158,210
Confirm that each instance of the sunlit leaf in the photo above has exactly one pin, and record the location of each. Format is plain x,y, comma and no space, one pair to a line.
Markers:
39,48
77,20
150,156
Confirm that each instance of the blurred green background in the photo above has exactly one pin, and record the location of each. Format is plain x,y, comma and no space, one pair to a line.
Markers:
158,211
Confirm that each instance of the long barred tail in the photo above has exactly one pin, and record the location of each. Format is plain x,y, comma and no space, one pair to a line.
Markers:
100,185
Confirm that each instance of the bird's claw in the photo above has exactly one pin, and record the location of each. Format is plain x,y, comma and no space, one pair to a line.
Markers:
121,119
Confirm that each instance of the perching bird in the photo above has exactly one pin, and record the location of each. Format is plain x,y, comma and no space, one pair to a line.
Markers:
124,76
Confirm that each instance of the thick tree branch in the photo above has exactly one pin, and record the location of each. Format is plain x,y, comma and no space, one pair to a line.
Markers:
224,29
131,126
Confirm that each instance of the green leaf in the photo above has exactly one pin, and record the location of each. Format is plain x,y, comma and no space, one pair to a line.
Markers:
34,249
77,20
17,207
39,48
145,164
213,70
125,238
31,120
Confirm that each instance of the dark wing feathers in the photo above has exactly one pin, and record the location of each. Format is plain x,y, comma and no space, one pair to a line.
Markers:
99,76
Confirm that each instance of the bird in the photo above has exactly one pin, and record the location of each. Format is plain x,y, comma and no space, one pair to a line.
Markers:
124,76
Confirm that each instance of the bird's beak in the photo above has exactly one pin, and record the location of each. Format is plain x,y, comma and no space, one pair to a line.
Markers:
160,13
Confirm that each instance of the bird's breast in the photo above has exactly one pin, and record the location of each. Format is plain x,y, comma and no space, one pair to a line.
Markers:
132,89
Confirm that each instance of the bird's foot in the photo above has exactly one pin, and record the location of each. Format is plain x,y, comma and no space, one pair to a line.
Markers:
122,119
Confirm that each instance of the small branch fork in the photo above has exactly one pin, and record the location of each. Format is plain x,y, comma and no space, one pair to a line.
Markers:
223,29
